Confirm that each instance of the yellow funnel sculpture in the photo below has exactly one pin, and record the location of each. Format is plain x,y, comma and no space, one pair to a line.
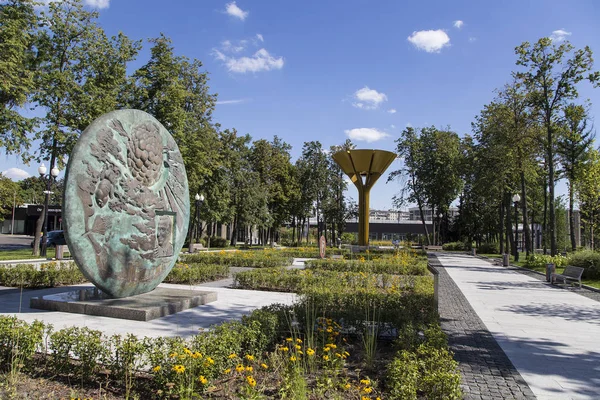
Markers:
364,167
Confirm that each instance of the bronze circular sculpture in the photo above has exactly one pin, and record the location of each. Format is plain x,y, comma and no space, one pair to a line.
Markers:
126,206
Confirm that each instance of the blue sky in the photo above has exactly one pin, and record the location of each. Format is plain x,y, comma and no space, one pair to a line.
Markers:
324,70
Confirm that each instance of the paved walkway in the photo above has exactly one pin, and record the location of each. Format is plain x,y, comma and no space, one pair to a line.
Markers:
550,335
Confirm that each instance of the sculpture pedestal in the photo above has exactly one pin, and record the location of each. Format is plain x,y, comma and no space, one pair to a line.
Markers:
144,307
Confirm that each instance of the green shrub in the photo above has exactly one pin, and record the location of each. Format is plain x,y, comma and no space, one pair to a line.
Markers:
19,341
454,246
251,259
489,248
589,260
47,275
195,273
215,242
379,266
539,261
402,376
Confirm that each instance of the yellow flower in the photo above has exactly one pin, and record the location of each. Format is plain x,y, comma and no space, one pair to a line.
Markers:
232,355
310,352
298,347
156,369
209,361
326,357
347,386
329,329
249,368
367,390
265,366
228,370
326,349
293,358
365,382
283,349
249,357
203,380
173,355
333,346
180,369
251,381
289,339
197,355
365,398
239,368
298,340
187,351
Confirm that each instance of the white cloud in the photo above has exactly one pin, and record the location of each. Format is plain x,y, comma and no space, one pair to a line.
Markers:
366,134
97,3
431,41
472,39
260,37
458,24
368,99
392,111
559,35
393,126
233,10
226,45
259,61
236,101
16,174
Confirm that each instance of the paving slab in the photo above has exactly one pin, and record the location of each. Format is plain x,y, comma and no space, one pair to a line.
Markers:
550,334
231,304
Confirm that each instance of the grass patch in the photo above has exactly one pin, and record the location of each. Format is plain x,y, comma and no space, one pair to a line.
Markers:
25,254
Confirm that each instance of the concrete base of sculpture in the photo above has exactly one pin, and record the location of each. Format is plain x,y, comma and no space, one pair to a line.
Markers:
144,307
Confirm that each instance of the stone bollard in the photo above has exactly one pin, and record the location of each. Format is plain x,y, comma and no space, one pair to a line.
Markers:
473,251
505,260
550,269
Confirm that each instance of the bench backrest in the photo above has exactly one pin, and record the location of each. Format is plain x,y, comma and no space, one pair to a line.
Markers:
573,272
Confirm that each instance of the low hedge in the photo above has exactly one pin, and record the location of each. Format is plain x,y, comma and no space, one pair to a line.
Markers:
454,246
539,261
251,259
196,273
379,266
47,275
489,248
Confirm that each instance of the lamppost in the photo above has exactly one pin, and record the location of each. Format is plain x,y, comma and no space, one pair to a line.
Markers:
516,198
440,238
199,200
53,174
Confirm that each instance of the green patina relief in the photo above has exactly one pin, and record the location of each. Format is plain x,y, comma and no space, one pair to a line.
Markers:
126,206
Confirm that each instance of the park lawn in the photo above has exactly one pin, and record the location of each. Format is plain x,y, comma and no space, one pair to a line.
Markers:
24,254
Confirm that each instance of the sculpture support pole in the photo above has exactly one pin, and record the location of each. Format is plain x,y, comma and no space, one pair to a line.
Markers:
363,216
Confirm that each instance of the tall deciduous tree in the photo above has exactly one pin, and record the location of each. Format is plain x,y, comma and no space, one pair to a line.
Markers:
574,142
551,74
18,33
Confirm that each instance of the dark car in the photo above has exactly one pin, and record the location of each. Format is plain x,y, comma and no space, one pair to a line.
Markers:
54,238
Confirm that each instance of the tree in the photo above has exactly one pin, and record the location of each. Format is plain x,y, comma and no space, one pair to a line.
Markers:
10,195
75,80
588,190
573,144
551,79
18,32
175,91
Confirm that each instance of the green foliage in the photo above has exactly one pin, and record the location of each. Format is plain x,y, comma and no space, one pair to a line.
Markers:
589,260
253,259
19,341
195,273
215,242
539,261
47,275
379,266
489,248
454,246
425,370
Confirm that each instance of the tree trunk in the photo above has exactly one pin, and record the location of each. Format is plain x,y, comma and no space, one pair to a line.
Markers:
524,210
552,205
37,237
545,221
420,205
511,244
501,225
571,218
233,240
294,229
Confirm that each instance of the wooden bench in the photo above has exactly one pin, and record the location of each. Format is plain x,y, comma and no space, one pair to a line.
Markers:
570,273
434,248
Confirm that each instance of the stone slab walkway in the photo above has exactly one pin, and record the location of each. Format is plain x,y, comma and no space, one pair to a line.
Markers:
551,335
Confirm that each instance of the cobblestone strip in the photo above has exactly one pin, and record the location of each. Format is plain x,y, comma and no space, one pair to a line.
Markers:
487,373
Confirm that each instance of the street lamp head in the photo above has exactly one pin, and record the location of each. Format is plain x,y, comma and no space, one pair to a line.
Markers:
201,197
197,197
516,198
42,169
54,172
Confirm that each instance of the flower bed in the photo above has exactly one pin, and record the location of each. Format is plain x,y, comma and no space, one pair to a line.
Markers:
196,273
47,275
